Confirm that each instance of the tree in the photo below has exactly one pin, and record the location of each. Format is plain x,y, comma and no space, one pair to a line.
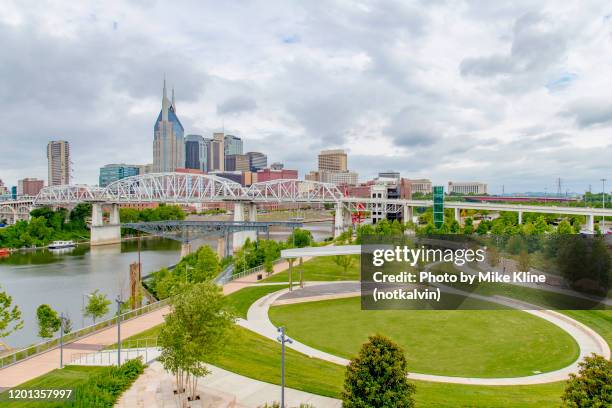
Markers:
524,262
468,228
9,316
377,377
565,228
493,256
97,306
344,261
194,330
48,321
300,238
592,387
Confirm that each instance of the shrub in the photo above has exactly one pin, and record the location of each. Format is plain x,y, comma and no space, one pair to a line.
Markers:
592,387
377,377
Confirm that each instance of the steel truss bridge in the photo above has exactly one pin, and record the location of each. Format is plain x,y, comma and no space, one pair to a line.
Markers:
185,188
187,231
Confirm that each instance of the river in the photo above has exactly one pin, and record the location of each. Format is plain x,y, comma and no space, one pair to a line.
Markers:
63,279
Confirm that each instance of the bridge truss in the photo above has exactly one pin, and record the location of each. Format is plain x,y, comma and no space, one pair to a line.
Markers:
187,231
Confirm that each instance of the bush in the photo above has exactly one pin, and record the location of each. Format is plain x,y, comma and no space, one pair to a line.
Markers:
377,377
104,389
592,387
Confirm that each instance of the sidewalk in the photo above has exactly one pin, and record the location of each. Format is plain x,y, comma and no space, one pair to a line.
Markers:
45,362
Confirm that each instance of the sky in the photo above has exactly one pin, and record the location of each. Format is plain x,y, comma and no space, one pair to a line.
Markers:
514,94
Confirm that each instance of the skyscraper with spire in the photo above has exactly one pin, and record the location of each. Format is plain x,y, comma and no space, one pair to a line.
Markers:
168,137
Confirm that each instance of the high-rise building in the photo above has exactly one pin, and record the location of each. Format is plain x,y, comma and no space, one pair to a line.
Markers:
196,153
114,172
168,139
237,162
4,190
216,153
58,158
232,145
333,160
257,160
466,187
29,186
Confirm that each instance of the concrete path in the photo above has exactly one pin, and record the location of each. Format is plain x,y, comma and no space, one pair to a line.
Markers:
588,340
43,363
155,389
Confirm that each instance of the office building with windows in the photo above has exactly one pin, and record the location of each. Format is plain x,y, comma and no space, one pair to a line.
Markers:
58,162
29,186
168,137
466,187
257,160
114,172
232,145
196,152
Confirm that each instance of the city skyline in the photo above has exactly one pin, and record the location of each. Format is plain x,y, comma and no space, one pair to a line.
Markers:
523,103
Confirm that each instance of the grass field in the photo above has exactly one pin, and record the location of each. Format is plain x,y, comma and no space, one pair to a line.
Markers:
319,269
68,377
484,343
257,357
241,300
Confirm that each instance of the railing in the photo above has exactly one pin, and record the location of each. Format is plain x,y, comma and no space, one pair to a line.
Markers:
135,343
27,352
253,270
109,357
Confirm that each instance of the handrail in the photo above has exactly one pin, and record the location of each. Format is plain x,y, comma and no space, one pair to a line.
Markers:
39,348
253,270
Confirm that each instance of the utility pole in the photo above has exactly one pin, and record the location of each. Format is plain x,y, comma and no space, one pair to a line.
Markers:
603,204
283,339
119,303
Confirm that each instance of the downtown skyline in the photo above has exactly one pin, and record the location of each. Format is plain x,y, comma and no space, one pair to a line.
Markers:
520,103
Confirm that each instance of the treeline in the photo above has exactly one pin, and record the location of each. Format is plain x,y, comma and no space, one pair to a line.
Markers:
204,264
47,225
162,212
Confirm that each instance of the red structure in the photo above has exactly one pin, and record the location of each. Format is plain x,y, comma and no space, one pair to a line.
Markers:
519,199
269,174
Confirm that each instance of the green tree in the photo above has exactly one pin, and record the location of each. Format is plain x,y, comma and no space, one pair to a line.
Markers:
300,238
344,261
377,377
48,321
493,257
524,263
565,228
468,228
592,386
97,306
194,330
9,315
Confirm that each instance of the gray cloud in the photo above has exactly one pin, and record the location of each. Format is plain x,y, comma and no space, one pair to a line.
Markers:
236,105
396,84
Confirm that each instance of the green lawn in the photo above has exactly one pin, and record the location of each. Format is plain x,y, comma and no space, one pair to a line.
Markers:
241,300
319,269
68,377
483,343
257,357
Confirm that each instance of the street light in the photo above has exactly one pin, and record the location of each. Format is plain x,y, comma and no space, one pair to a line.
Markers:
63,322
603,204
119,303
282,338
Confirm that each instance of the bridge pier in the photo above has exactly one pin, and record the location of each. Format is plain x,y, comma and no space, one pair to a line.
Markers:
407,214
458,215
339,222
591,223
185,249
104,234
252,235
520,217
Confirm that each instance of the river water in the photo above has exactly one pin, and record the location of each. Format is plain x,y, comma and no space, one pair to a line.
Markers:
63,279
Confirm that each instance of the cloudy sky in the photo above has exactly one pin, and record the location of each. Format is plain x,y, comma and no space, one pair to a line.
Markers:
511,93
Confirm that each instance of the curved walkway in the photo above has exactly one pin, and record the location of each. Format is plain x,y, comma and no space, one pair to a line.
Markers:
588,340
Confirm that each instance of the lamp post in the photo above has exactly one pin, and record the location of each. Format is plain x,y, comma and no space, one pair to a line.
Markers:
119,303
63,321
282,338
603,204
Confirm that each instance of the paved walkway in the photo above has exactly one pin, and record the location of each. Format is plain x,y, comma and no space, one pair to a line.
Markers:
588,340
45,362
155,389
